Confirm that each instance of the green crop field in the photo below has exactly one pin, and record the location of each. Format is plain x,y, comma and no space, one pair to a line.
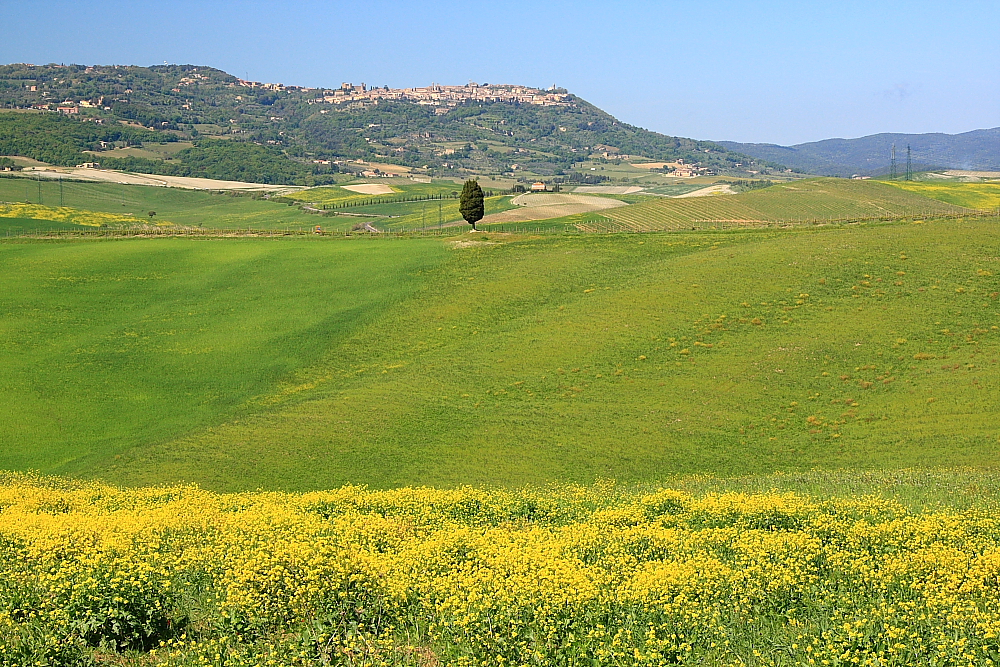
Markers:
411,205
230,211
501,360
412,215
181,207
812,200
417,215
106,345
20,226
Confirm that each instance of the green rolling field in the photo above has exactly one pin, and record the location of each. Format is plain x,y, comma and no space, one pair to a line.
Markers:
501,360
211,210
402,187
106,345
411,206
181,207
632,437
21,226
805,201
812,200
414,215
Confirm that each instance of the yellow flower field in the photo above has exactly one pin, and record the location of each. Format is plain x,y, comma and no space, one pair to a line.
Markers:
982,196
93,574
69,215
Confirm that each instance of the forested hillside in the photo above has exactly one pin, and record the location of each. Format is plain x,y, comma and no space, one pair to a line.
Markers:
292,127
59,140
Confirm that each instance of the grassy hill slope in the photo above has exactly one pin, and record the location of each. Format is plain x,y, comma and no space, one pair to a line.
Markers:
508,361
105,345
813,200
181,207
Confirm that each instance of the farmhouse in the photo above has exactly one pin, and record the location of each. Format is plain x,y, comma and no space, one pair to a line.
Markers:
680,169
68,110
538,187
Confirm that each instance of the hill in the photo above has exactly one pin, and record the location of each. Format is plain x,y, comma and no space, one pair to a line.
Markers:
797,202
976,150
303,364
273,133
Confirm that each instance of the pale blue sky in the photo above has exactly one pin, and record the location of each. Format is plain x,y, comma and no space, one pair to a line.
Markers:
782,72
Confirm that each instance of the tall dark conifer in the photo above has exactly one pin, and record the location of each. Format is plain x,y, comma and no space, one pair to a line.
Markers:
470,204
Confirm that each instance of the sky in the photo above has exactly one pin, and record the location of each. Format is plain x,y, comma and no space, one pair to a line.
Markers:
751,71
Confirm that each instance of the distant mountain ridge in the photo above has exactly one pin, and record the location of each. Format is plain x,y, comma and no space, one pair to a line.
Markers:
978,150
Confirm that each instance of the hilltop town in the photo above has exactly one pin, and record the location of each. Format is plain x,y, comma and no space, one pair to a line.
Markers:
449,96
442,97
432,95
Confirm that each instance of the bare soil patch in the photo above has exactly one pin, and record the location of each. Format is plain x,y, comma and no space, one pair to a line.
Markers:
558,199
469,244
369,189
609,189
974,174
551,205
722,189
185,182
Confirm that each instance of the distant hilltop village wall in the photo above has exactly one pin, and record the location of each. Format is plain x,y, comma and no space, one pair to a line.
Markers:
433,95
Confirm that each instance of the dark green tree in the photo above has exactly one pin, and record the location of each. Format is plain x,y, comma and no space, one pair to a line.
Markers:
470,204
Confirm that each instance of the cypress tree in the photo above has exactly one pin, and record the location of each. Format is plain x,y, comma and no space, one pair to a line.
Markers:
470,204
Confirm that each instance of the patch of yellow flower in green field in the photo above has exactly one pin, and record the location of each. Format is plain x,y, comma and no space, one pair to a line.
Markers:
69,215
569,576
983,196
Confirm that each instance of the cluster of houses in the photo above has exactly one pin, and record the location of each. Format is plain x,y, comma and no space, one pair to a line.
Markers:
444,97
677,169
683,170
70,107
264,86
